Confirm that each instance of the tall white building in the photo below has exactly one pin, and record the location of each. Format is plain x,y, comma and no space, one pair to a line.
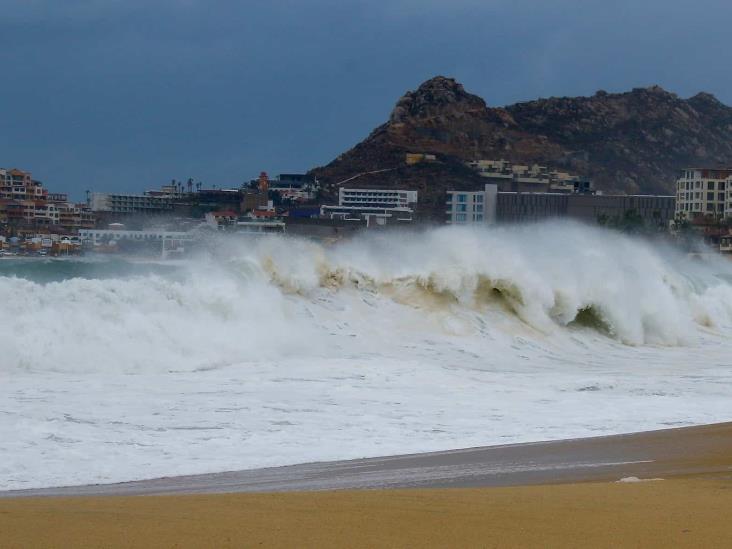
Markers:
464,208
701,192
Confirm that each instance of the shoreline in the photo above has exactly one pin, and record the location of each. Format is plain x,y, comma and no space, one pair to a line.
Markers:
681,503
704,449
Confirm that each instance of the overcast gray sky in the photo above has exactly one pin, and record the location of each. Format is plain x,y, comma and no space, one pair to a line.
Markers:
127,94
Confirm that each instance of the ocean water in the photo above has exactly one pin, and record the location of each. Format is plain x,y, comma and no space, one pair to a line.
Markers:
276,350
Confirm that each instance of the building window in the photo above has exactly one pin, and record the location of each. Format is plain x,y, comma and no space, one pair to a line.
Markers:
479,217
462,197
462,207
460,217
477,207
479,198
710,196
710,185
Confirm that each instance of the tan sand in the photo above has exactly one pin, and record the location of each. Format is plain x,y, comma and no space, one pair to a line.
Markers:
689,509
669,513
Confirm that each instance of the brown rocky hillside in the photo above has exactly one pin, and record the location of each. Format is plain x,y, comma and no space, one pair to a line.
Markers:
632,142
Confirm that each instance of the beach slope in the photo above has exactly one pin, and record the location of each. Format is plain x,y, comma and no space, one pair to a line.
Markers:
679,498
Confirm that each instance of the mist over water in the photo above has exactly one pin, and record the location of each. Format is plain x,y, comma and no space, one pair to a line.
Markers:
447,338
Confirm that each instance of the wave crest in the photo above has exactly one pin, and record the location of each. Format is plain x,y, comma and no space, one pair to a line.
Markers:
279,297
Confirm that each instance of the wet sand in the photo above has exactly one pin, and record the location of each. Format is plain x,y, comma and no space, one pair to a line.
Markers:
668,452
689,508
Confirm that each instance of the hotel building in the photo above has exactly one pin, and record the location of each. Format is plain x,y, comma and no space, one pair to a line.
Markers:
704,192
472,207
375,206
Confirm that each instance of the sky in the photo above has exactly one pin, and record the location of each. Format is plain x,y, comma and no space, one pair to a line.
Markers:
125,95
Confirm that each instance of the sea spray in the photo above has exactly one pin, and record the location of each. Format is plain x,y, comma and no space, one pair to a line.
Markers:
271,297
270,351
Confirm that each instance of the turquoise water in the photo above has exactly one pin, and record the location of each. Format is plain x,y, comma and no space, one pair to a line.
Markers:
45,270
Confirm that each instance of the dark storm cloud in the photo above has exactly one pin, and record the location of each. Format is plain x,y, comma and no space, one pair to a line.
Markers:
128,94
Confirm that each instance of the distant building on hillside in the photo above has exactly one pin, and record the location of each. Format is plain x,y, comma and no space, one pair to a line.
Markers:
417,158
376,206
528,178
24,202
704,192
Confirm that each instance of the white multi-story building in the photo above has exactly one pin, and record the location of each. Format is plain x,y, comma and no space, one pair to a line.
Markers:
377,198
464,208
376,206
701,192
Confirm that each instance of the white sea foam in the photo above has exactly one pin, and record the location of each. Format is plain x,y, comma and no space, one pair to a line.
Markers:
634,480
284,351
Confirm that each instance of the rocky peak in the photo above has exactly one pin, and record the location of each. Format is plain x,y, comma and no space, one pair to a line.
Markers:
632,141
438,96
653,91
706,102
704,97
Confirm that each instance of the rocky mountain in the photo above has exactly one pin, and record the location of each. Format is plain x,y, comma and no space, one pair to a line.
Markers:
632,142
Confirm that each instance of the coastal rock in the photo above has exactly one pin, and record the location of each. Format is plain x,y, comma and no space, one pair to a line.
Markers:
626,142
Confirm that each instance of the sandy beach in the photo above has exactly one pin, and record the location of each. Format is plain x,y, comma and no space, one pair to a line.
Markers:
586,507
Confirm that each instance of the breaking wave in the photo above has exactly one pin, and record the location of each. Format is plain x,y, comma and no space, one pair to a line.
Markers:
271,298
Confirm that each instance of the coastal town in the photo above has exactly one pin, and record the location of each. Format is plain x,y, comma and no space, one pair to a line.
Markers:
170,220
356,274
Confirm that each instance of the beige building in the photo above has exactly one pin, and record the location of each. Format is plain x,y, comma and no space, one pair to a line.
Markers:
18,185
26,202
701,191
416,158
528,178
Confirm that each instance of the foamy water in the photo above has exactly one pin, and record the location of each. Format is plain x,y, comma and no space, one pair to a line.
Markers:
282,351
